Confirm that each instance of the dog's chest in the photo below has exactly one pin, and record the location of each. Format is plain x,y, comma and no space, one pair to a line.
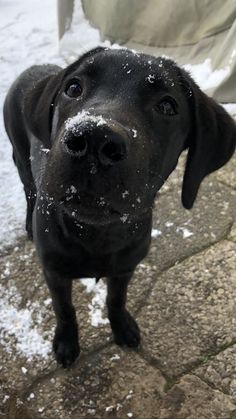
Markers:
84,251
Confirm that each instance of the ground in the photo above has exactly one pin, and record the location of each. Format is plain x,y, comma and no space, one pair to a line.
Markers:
182,295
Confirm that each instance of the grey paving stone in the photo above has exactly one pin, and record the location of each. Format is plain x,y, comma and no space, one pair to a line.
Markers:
227,174
181,233
191,310
192,399
108,384
232,234
220,371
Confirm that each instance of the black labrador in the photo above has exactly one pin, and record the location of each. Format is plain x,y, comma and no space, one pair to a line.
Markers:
93,143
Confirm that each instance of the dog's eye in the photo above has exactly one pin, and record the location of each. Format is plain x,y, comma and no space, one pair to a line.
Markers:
73,89
167,106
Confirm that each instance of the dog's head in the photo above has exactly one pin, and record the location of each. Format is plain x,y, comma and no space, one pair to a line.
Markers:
115,123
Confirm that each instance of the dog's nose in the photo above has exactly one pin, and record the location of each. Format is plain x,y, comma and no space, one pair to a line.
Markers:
109,145
76,144
112,150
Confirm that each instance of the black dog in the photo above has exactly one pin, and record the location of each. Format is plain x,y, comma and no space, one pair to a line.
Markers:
93,144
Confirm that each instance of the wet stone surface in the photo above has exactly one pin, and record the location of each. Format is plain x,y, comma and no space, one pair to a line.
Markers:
220,371
191,398
109,383
191,310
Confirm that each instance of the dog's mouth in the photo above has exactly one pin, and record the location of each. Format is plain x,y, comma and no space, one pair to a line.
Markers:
90,209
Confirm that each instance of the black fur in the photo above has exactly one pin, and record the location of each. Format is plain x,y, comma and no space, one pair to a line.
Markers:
90,187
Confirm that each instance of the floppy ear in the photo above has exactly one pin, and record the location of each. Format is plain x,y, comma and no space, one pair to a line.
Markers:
211,142
38,106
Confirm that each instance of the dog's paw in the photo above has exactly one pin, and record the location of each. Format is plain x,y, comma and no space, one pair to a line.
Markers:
66,347
125,330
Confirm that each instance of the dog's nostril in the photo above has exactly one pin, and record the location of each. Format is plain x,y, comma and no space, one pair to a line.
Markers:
77,145
112,152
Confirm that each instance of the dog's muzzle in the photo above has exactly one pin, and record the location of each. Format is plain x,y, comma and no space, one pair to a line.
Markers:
109,144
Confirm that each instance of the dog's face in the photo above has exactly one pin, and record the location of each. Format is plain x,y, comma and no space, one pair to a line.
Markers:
117,122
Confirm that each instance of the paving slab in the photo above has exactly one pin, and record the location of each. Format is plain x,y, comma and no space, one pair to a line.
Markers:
227,173
181,233
232,234
191,310
108,384
220,371
191,398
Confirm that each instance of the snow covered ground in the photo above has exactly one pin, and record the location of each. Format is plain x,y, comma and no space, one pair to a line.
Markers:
29,35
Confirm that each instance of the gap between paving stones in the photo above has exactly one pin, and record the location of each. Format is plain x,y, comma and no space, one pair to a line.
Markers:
190,368
225,184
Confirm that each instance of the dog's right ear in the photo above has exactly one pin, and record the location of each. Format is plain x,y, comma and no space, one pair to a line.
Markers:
38,106
39,102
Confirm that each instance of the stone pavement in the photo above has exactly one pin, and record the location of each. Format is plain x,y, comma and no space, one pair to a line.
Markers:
183,296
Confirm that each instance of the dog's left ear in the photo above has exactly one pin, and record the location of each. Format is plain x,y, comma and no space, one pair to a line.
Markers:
211,141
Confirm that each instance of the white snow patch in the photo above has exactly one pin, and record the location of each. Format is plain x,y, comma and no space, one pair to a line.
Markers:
6,271
186,233
151,78
125,193
115,357
230,107
6,397
109,408
124,218
134,131
45,150
97,304
31,396
83,116
18,323
156,233
205,77
169,224
24,370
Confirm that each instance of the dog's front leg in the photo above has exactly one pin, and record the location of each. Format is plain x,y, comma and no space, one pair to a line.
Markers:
66,339
124,327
